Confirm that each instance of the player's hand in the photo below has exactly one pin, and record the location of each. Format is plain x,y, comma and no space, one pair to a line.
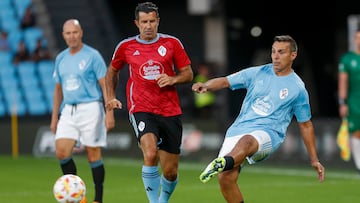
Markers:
199,87
320,170
343,111
164,80
113,104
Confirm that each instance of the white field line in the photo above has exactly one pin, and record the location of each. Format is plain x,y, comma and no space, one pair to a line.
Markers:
254,169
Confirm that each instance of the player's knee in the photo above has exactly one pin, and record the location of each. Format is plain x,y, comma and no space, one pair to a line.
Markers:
170,176
60,154
227,178
150,155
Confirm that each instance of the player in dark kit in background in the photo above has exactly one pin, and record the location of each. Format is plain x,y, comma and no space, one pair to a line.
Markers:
152,100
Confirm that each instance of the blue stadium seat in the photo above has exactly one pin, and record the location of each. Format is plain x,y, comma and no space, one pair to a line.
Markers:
31,35
2,109
8,77
35,101
48,87
38,108
29,82
20,6
26,69
6,3
46,67
14,101
12,94
9,23
33,94
7,11
14,37
2,105
5,57
45,71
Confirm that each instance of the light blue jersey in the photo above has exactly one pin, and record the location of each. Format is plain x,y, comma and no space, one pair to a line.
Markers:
270,103
79,74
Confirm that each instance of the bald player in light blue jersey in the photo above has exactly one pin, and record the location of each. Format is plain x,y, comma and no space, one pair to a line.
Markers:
80,86
275,94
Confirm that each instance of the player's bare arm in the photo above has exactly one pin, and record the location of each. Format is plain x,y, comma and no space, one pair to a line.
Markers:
109,116
343,94
211,85
111,81
58,97
308,134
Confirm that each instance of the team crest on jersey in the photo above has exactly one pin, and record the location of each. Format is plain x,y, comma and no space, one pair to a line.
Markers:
141,126
82,64
162,50
151,69
284,93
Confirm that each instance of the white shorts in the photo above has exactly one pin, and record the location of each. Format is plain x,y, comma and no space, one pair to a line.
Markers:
262,137
83,122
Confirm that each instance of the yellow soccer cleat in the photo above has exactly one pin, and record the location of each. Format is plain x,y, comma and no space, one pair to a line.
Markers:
215,167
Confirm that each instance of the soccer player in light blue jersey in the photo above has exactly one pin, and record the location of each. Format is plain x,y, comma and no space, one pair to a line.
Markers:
79,74
275,94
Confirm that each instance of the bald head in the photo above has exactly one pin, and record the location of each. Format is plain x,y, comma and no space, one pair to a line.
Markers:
72,34
71,22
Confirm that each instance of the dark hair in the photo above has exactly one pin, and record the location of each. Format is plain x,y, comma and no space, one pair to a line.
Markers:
146,7
287,38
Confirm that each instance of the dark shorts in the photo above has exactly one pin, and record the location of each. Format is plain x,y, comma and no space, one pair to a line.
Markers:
167,129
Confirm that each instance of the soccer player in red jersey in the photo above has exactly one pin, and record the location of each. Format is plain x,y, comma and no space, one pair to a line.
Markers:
157,62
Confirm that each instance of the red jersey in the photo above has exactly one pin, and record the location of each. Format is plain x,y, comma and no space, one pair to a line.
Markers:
146,61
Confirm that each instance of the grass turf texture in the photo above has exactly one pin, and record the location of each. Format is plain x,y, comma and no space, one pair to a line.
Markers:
28,179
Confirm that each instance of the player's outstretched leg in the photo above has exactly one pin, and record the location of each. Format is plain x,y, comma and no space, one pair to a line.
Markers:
215,167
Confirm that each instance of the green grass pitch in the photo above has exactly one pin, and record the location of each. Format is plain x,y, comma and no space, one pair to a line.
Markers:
28,179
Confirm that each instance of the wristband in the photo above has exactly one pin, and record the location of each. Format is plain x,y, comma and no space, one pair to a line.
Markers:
342,102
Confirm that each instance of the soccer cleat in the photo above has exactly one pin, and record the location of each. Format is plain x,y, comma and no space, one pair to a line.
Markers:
215,167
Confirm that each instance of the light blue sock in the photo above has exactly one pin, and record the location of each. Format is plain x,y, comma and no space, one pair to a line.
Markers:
167,188
151,180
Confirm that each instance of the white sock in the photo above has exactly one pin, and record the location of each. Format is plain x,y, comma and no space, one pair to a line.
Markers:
355,149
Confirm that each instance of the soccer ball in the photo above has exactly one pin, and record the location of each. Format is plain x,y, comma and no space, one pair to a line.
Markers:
69,189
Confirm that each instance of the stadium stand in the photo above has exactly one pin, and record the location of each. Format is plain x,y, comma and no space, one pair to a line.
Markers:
45,70
21,91
28,87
